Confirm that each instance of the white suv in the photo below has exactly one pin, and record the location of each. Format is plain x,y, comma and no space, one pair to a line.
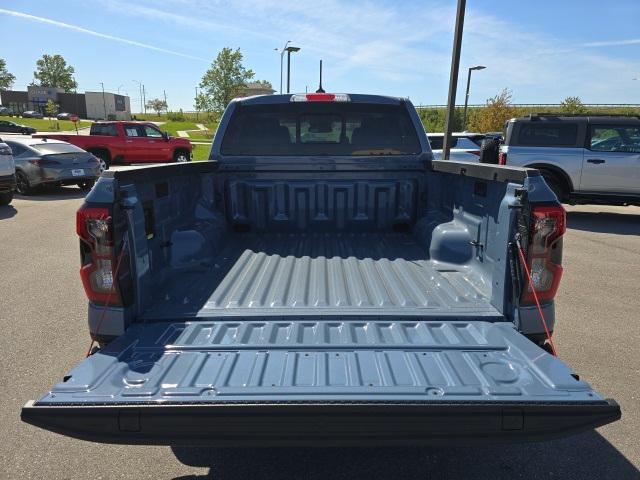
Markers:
583,158
7,174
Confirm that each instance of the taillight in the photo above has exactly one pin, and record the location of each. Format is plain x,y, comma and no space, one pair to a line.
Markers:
502,158
548,224
320,97
475,152
94,226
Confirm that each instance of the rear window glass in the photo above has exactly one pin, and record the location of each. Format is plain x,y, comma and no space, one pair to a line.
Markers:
104,129
49,148
548,134
320,129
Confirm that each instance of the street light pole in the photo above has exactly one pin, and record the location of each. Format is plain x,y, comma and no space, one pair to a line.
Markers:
281,59
453,79
140,87
466,98
104,102
289,50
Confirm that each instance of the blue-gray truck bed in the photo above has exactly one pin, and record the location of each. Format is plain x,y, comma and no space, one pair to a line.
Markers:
321,281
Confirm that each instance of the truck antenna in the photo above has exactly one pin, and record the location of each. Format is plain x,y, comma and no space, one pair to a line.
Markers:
320,90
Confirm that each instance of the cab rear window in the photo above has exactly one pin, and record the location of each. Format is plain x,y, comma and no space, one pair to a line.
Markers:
311,129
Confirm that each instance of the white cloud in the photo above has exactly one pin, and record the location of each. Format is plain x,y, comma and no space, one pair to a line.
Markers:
613,43
105,36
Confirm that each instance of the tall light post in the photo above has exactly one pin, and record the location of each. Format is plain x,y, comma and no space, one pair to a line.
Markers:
104,101
289,50
284,49
453,79
466,98
140,86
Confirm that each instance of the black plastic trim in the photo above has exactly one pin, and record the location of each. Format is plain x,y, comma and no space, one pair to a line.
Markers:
322,423
161,171
484,171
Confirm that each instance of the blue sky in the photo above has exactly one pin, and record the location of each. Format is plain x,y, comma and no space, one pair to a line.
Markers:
542,50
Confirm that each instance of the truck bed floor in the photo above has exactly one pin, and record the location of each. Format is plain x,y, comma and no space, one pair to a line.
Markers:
321,274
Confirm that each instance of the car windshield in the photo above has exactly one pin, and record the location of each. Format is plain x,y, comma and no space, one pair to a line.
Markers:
52,148
320,128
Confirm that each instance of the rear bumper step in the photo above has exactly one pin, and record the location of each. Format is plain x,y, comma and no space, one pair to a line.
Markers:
322,424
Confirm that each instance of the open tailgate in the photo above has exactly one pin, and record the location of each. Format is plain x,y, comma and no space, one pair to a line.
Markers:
301,382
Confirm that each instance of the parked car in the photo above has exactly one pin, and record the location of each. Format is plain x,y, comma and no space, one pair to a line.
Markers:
32,114
465,147
4,111
64,116
13,127
7,174
52,162
583,158
341,288
129,142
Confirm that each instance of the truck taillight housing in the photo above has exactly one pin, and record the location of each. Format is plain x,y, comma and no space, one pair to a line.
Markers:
94,226
548,225
502,158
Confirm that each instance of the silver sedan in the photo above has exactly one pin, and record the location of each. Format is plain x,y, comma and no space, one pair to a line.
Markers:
52,162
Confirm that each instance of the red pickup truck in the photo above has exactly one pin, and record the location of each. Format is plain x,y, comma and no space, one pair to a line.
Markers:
129,142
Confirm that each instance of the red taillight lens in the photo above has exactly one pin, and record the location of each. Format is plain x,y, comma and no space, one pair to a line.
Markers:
475,152
502,158
548,224
95,229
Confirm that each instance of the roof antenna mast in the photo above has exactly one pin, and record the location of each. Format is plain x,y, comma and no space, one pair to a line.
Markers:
320,90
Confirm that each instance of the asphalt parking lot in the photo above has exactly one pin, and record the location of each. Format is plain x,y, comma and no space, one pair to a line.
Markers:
43,317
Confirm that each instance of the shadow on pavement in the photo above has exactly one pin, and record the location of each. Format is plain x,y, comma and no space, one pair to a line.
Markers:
47,194
585,456
604,222
7,211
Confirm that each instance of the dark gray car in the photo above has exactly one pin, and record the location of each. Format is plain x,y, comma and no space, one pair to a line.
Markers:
52,162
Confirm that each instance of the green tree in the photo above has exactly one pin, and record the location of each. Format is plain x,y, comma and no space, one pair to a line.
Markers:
495,113
53,71
223,81
6,78
51,110
157,104
572,105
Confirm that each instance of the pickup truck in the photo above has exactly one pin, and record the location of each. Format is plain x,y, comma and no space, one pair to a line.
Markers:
128,142
320,281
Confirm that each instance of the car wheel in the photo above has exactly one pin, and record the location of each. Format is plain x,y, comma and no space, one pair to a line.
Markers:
5,198
22,184
86,185
24,131
554,184
181,156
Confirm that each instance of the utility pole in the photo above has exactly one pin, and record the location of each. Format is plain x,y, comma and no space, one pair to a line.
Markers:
453,79
144,99
75,94
196,104
166,106
104,101
140,86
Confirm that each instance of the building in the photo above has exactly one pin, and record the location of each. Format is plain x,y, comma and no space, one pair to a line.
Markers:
107,105
92,105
